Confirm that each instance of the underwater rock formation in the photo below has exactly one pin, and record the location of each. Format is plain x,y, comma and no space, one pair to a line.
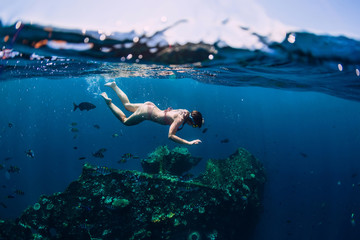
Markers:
174,162
222,203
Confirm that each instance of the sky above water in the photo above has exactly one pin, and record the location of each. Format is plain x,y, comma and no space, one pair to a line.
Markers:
319,16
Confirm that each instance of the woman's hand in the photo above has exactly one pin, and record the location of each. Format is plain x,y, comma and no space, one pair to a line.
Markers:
197,141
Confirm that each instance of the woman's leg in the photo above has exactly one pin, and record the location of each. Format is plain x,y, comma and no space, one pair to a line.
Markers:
123,97
116,111
137,117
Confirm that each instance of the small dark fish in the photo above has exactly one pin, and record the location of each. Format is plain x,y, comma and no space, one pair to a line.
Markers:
288,221
226,140
101,171
3,186
127,155
99,153
10,125
75,148
102,150
84,106
123,160
3,205
13,169
74,124
8,158
82,158
205,130
10,196
96,126
19,192
30,153
1,167
304,155
74,130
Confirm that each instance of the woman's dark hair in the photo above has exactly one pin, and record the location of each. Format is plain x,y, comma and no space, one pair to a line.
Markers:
198,120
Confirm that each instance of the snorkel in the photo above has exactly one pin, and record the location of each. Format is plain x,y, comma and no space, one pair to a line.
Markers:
193,124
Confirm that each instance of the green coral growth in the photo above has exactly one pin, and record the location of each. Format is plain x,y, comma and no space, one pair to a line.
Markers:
240,172
174,162
120,202
36,206
222,203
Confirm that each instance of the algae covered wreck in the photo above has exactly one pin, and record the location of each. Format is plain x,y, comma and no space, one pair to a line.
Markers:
221,203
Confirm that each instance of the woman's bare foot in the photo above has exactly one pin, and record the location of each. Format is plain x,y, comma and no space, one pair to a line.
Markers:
106,98
110,84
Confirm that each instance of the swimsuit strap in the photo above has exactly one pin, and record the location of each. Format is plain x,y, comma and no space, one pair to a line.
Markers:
168,109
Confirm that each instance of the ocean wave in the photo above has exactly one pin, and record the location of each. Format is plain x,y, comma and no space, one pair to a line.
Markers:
201,21
301,61
29,39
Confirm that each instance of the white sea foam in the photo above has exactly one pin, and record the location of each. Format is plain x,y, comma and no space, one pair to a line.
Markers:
232,22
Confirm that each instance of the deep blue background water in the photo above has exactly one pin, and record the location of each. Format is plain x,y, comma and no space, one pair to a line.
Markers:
308,142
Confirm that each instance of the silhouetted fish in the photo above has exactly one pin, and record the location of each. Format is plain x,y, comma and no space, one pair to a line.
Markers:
7,158
205,130
82,158
13,169
226,140
304,155
123,160
99,153
74,130
19,192
127,155
3,205
101,171
96,126
30,153
10,125
84,106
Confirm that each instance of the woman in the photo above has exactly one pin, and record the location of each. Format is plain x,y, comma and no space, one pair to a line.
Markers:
176,118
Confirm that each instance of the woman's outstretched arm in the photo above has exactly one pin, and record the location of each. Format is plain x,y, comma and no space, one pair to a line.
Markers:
172,135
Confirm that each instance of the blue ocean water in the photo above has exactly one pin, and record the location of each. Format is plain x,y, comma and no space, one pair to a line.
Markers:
294,106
